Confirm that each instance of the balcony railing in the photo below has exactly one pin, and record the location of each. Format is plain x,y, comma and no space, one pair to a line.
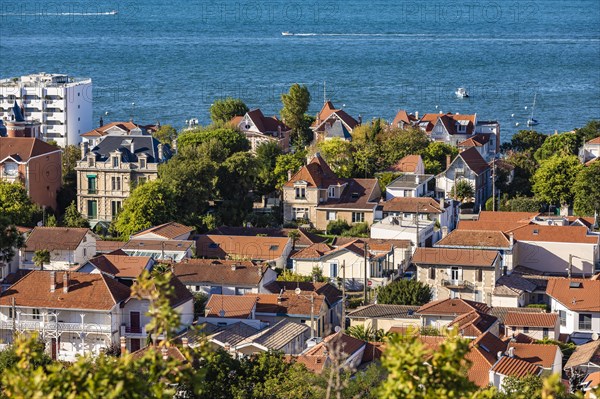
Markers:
128,330
458,284
35,325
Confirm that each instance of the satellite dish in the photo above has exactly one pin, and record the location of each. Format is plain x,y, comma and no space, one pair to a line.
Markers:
595,336
298,291
337,329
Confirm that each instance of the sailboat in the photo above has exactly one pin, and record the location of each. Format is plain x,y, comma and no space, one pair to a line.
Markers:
531,121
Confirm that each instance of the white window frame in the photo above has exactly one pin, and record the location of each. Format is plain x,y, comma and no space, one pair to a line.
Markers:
331,215
358,217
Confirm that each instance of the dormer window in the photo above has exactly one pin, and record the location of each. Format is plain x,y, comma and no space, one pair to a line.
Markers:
115,162
11,169
331,192
142,163
91,161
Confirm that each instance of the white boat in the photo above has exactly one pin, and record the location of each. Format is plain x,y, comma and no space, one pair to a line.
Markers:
532,121
286,33
461,92
113,12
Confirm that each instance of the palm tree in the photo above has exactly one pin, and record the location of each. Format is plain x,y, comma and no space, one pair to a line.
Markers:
40,257
294,235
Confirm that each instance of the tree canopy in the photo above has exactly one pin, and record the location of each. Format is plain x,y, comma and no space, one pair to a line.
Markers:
586,190
223,110
165,134
404,292
463,190
559,144
295,104
10,240
72,217
231,140
16,205
553,181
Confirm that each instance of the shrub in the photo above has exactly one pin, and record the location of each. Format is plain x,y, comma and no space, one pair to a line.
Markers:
337,227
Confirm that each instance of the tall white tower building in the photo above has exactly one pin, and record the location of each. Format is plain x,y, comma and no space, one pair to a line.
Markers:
61,103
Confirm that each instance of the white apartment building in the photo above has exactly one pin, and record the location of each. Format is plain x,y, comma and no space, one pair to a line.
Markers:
61,103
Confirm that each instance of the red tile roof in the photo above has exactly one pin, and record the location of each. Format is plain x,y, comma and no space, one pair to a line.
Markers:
473,324
170,230
234,306
408,164
455,256
317,174
575,294
108,246
102,130
315,251
512,366
241,247
266,124
403,116
86,291
55,238
538,354
595,140
361,194
520,319
329,110
23,148
331,293
287,303
230,272
121,265
569,234
584,354
412,205
474,160
454,306
475,239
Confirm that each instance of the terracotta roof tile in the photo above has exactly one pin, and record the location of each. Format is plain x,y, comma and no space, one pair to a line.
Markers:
574,234
473,324
170,230
538,354
454,306
595,140
475,239
375,244
357,194
408,164
403,116
287,303
500,312
230,272
315,251
234,306
584,354
412,205
306,238
331,293
474,160
121,265
514,367
158,245
55,238
385,311
108,246
241,247
86,291
23,148
317,174
520,319
575,294
454,256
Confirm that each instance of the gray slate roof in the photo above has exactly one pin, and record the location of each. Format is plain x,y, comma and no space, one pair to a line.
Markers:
386,311
513,285
339,130
234,333
142,144
409,181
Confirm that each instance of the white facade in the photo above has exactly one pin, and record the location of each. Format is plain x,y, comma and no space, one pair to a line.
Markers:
573,321
61,103
62,258
554,257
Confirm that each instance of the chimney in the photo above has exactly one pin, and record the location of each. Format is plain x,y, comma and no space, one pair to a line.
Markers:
65,282
132,146
165,353
442,204
417,115
174,145
289,175
184,342
444,231
448,161
511,352
160,152
318,118
511,237
417,179
123,343
233,267
101,122
52,281
499,355
279,132
84,149
359,119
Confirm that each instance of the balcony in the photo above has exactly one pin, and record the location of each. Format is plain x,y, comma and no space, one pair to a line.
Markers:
133,331
458,284
60,327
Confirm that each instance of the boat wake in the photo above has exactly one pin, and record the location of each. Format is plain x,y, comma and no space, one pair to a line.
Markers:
57,14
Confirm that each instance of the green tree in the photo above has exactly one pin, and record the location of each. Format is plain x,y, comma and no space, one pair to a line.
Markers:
237,201
398,143
358,230
338,155
337,227
16,205
295,104
266,159
524,204
288,163
559,144
526,141
525,166
294,235
231,140
148,205
463,191
534,387
40,257
72,217
368,334
404,292
10,239
553,181
434,156
165,134
367,159
224,110
586,190
51,221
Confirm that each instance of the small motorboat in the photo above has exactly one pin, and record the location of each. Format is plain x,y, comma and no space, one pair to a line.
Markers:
113,12
286,33
532,122
461,92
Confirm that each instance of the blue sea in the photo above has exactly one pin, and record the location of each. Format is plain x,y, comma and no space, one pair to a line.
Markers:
169,60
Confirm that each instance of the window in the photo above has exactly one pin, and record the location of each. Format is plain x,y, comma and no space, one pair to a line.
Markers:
36,314
115,183
300,213
115,208
300,192
84,251
10,313
197,288
90,161
545,332
331,192
91,184
331,215
142,163
11,169
562,315
455,273
585,321
358,217
479,275
115,162
525,330
432,273
92,209
333,270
